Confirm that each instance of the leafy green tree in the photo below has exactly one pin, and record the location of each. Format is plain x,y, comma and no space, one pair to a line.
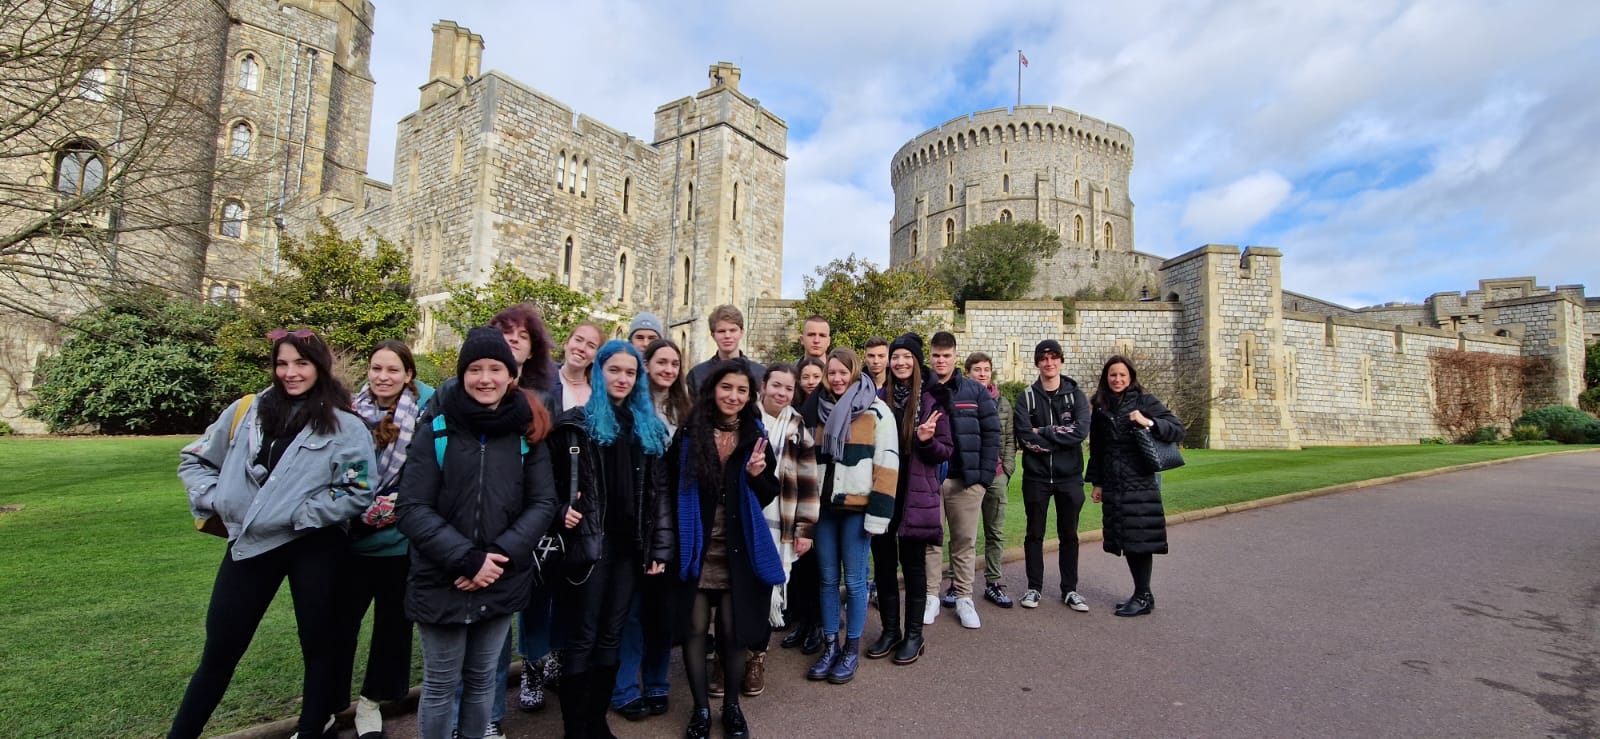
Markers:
353,295
142,363
561,307
996,261
1591,365
861,301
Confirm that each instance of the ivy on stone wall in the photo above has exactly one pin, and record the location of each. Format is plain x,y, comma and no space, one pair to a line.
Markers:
1477,389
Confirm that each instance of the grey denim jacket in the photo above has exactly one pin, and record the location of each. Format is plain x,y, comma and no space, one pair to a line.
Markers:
320,481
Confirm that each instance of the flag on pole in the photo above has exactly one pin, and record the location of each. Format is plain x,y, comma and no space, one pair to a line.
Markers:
1022,57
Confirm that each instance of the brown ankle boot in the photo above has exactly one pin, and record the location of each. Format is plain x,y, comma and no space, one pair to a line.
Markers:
755,674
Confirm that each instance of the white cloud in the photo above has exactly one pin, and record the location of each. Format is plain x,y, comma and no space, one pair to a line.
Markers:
1233,208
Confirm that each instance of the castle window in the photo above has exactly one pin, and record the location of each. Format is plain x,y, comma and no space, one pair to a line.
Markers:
913,242
239,141
1005,216
561,168
102,9
583,181
1110,242
214,295
1077,229
1005,183
952,166
232,223
950,194
691,150
735,202
733,280
627,187
687,273
79,169
688,212
949,231
1077,189
622,278
1005,156
567,255
92,85
249,73
233,293
572,174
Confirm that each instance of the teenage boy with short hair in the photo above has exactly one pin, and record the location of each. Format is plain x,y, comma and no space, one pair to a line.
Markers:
981,369
1052,419
975,426
816,336
727,330
876,357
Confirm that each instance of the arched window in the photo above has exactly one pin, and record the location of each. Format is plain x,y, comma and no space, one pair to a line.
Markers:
627,188
1077,189
1110,242
733,280
239,141
1005,183
1005,216
691,149
735,202
952,166
1005,156
688,212
233,293
950,193
688,272
566,262
215,294
249,73
583,181
622,277
572,174
232,224
79,169
92,86
561,168
1077,229
913,242
949,231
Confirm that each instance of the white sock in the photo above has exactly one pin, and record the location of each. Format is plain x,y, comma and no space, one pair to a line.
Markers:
368,719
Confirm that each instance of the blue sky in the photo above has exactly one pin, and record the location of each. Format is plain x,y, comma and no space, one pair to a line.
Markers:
1391,149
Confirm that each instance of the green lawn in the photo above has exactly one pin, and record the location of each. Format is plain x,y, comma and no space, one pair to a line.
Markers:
103,582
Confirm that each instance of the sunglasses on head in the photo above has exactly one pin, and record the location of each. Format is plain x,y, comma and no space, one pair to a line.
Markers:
281,333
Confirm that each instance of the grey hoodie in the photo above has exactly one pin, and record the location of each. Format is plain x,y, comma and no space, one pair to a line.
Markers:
320,481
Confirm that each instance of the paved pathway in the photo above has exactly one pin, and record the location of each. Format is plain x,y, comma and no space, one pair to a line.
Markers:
1457,605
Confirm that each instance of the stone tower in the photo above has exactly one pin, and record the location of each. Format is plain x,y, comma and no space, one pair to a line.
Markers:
722,180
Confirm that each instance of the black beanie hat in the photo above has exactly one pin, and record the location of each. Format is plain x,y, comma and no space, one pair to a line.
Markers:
485,342
909,342
1048,346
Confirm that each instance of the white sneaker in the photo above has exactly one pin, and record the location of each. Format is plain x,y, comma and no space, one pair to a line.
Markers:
493,731
1030,599
1075,602
931,613
968,613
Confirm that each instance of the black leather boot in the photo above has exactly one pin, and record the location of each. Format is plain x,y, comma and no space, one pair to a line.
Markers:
886,641
1138,605
812,642
909,649
601,682
824,663
574,705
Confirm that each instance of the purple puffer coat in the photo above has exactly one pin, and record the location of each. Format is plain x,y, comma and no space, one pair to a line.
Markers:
917,501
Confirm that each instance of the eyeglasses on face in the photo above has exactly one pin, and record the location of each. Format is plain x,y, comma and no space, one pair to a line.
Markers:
281,333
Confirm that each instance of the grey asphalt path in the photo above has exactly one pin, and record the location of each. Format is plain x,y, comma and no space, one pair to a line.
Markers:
1458,605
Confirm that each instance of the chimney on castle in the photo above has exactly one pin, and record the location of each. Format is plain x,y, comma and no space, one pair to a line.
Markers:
724,74
457,56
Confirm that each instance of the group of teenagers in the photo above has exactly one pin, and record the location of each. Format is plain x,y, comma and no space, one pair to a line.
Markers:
618,503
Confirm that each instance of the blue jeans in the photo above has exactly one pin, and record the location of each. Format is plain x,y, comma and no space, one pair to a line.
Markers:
462,655
841,538
537,634
638,654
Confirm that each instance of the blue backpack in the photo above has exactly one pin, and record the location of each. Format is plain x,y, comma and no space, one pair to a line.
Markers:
441,436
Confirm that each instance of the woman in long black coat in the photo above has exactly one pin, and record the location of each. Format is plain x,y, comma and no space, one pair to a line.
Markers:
722,475
1133,520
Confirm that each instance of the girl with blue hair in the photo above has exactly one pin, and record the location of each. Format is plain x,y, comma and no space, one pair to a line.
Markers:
616,526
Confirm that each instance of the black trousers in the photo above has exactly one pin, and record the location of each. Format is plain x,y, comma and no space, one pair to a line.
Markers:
239,599
805,592
378,582
1036,497
889,550
594,610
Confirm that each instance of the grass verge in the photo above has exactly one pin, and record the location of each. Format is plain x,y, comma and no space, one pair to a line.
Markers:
103,582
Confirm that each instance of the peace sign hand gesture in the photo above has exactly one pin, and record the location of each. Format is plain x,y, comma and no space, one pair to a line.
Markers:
926,429
758,458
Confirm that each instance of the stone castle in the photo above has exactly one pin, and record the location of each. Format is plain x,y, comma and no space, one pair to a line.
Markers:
489,170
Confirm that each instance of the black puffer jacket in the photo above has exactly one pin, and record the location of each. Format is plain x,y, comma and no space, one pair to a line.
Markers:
1134,521
975,425
1053,452
490,497
655,535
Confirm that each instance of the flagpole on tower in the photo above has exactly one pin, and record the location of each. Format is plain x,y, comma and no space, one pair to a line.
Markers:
1019,77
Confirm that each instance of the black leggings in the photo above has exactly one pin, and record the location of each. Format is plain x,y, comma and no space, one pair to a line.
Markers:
381,583
694,647
911,556
805,592
1139,565
239,599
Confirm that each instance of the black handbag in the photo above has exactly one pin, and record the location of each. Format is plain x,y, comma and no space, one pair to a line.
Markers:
1158,455
581,546
550,553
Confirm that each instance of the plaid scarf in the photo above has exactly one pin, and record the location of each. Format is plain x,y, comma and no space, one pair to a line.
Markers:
392,457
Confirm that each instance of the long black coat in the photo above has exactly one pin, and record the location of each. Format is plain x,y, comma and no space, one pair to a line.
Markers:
654,535
489,497
1133,518
752,600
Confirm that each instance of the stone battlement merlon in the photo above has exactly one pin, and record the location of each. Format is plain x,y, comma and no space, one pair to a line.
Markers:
1042,122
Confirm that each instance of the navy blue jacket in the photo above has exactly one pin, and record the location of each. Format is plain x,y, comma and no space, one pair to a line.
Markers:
975,425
